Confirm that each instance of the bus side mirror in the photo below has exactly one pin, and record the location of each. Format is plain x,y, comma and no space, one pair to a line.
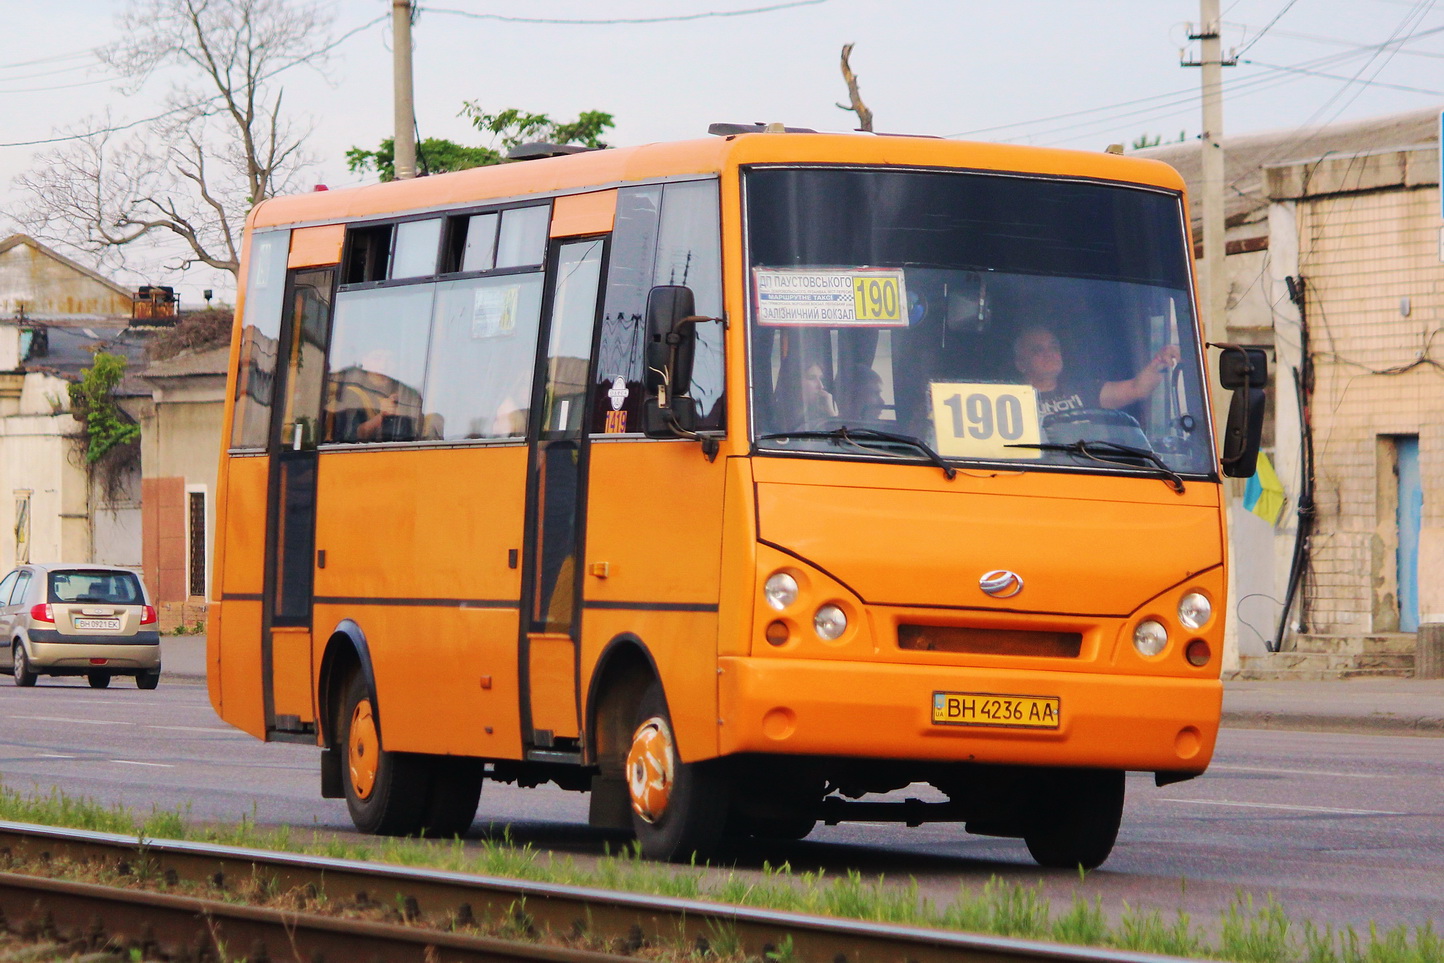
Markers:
671,345
1244,371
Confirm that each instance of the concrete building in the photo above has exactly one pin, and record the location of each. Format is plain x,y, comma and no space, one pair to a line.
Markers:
180,451
54,313
1335,263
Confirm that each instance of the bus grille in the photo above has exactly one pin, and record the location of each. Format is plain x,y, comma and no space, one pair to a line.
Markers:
952,638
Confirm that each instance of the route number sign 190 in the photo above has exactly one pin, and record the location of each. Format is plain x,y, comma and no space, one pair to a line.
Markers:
977,420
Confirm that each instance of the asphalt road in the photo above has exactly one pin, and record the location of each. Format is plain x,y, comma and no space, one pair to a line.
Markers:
1341,829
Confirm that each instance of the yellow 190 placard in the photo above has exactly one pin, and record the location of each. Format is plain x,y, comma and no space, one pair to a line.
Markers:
982,420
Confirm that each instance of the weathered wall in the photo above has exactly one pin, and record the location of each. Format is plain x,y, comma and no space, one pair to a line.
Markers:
46,286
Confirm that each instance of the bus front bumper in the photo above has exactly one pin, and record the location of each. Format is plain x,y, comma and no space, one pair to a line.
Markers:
885,711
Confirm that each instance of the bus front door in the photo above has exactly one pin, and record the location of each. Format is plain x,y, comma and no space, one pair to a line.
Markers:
286,658
550,714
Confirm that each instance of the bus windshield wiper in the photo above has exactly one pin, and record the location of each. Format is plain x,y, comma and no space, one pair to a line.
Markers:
858,436
1099,450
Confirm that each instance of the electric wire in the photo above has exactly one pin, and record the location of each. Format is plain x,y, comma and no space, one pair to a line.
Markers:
503,18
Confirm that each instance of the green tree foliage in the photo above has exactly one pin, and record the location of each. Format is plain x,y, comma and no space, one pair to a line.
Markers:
508,128
92,403
1153,140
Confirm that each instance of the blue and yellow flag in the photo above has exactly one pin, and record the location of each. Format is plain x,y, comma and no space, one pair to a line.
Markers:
1264,493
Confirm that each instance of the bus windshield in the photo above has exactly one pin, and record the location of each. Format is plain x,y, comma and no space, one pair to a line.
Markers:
994,318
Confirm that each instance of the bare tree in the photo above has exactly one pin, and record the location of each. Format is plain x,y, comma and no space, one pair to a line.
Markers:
221,145
864,116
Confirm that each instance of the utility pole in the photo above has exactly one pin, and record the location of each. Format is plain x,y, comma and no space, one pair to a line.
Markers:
1210,200
1215,251
404,139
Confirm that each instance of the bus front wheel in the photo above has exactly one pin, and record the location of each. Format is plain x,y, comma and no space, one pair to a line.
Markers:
1077,821
678,808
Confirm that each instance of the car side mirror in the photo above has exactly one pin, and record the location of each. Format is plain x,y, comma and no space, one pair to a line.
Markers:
671,345
1244,371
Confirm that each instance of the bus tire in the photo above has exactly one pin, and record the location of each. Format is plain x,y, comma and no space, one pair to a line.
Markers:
1078,823
385,791
678,809
454,788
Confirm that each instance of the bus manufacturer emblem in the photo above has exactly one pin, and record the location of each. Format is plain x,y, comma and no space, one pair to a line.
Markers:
1001,583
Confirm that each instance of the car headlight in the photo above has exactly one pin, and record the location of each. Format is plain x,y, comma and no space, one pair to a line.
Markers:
780,590
1194,610
1150,637
829,623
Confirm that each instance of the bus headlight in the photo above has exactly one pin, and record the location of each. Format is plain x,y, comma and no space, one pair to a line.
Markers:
1194,610
829,623
780,590
1149,638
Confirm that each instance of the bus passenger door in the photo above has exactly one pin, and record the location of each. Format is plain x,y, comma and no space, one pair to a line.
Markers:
550,715
286,658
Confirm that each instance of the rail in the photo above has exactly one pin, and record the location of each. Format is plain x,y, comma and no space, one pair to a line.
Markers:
436,898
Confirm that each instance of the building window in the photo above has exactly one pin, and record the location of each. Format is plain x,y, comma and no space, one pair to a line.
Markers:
196,526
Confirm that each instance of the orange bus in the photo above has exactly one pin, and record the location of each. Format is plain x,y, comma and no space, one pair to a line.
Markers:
732,481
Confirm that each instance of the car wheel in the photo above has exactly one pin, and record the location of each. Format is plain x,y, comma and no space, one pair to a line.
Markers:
678,808
98,680
148,680
1078,824
20,666
386,791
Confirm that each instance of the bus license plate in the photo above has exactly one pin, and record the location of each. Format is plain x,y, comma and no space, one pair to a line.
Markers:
991,709
100,625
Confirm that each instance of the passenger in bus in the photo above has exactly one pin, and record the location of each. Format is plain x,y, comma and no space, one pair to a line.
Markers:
818,408
860,394
1039,358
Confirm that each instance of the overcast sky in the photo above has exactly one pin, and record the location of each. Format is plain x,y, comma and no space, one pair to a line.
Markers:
1069,73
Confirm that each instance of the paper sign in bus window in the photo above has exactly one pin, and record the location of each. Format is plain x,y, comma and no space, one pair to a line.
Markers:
856,297
983,420
493,313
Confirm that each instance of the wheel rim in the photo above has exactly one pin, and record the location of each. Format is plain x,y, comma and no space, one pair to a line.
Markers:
363,749
650,768
18,663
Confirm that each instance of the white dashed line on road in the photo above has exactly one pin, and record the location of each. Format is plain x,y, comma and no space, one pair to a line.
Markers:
1287,808
131,762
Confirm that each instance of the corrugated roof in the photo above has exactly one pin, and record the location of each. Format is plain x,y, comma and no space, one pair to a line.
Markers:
1246,155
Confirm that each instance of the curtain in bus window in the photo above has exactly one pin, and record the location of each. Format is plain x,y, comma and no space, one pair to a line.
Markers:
689,252
260,329
483,357
378,364
617,400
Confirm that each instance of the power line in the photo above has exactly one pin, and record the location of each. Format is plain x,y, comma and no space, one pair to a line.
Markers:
117,128
633,20
1260,34
1371,83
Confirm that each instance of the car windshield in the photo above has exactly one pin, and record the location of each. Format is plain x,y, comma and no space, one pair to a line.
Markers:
992,318
116,588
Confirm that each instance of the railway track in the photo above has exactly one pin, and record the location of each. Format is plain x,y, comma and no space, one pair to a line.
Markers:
430,904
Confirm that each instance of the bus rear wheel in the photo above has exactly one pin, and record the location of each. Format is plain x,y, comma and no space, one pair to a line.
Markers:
1077,823
678,808
401,793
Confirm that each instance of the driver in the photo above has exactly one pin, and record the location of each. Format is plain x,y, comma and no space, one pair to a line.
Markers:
1039,358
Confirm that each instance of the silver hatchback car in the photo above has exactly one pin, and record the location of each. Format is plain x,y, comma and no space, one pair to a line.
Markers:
90,620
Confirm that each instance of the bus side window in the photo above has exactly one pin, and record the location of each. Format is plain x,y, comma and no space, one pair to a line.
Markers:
377,362
617,399
689,252
260,334
483,356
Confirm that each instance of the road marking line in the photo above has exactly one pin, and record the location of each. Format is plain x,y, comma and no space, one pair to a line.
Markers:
1301,772
79,722
129,762
1283,806
195,729
53,755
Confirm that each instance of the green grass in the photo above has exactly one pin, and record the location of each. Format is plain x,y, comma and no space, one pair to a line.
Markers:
1245,932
